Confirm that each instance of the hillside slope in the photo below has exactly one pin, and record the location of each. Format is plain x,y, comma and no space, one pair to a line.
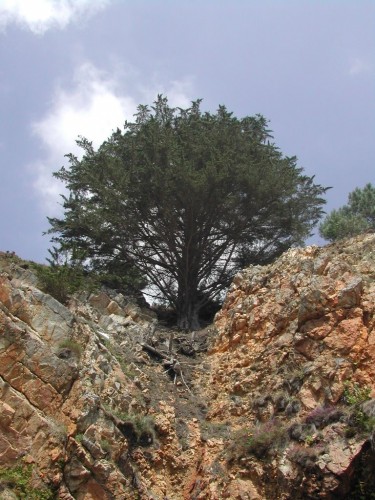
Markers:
273,401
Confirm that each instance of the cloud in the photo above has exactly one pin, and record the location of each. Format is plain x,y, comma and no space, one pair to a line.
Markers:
42,15
93,108
359,66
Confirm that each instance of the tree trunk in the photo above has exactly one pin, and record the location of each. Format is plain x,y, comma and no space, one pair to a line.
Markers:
188,320
187,311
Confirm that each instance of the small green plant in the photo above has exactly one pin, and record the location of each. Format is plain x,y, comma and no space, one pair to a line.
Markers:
117,413
359,421
79,438
17,478
265,437
72,346
138,429
105,445
354,394
145,426
258,441
309,440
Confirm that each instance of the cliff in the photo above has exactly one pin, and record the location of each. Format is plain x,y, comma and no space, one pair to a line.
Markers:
272,401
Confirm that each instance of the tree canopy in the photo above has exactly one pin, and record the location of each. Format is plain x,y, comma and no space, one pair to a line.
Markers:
185,198
351,219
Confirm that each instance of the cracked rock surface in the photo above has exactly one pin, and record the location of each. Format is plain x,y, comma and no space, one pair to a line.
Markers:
261,411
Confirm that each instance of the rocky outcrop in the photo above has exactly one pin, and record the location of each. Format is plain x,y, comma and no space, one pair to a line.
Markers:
279,407
294,338
83,406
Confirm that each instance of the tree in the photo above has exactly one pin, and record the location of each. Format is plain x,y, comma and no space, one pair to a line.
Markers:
351,219
186,197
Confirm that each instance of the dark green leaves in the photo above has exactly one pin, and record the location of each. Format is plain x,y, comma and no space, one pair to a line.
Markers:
351,219
183,197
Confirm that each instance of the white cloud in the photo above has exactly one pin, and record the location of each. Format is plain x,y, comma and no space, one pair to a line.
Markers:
41,15
359,66
93,109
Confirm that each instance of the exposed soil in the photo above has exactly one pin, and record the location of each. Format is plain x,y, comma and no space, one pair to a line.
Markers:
157,382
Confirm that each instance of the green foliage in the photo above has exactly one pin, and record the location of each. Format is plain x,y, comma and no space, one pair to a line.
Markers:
18,478
55,281
143,423
72,346
266,436
359,421
68,272
184,198
258,441
138,429
351,219
105,445
63,277
355,395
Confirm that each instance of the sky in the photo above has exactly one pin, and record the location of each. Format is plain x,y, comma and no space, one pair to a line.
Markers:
71,68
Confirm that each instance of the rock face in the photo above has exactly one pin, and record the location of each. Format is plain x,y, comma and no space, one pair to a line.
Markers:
279,407
293,339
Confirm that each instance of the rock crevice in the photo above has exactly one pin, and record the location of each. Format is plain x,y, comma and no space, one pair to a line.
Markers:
280,406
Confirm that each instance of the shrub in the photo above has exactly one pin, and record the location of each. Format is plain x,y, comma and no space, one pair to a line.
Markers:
294,380
211,430
360,422
264,438
302,432
281,401
65,275
322,416
18,478
295,431
305,457
138,429
361,418
61,282
72,346
237,447
293,407
105,445
258,441
145,429
354,394
261,401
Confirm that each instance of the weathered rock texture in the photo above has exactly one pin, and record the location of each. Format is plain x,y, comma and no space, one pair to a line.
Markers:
289,336
260,415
